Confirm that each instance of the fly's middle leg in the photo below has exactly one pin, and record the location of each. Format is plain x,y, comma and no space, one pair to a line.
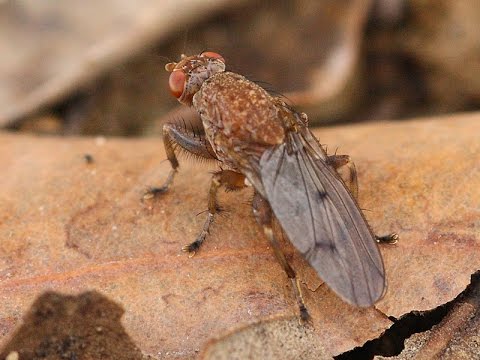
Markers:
337,161
231,180
190,140
263,215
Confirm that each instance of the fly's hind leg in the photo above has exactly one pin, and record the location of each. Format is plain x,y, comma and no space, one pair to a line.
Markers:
263,215
190,140
337,161
232,181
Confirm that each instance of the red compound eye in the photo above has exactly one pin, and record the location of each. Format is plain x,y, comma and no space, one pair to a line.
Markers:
176,82
213,55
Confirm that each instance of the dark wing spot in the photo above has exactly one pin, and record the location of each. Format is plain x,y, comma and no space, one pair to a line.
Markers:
321,195
320,247
325,246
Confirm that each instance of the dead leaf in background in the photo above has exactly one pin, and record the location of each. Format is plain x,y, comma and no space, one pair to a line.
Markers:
51,48
71,226
315,65
337,60
442,37
314,60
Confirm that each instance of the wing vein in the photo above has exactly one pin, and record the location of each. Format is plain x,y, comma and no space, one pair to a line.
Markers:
329,207
308,198
321,218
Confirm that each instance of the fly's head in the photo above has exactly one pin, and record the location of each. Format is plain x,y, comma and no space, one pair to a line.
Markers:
188,75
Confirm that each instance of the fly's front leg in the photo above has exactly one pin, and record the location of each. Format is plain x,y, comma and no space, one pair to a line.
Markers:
232,181
263,215
188,139
338,161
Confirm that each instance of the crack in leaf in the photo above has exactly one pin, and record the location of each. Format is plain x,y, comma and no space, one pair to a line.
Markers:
392,341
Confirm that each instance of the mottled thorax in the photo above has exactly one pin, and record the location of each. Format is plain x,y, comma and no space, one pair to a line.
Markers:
238,115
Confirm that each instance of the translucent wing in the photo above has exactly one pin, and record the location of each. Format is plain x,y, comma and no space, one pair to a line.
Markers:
321,218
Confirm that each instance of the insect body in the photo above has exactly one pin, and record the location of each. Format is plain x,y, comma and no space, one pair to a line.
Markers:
266,144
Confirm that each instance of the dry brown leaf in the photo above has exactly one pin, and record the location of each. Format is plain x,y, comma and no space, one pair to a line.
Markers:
86,326
71,226
442,37
274,339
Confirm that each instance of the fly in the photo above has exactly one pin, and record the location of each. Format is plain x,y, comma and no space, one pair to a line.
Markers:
264,143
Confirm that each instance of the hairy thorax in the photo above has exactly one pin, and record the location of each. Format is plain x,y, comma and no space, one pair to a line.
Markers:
241,119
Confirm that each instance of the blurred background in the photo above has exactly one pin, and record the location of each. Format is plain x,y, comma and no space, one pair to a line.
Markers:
97,67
